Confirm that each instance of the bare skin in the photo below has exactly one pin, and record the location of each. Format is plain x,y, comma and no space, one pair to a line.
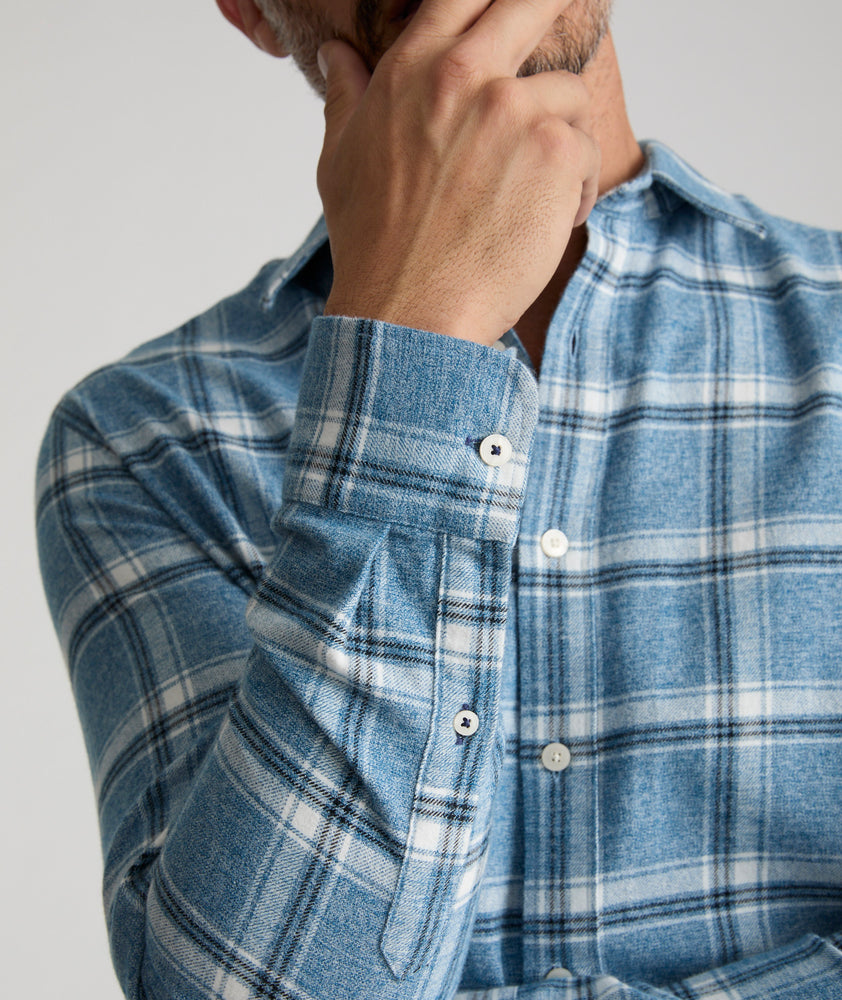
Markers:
471,185
622,159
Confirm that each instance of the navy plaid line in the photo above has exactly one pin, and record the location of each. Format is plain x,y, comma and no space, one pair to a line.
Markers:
336,466
396,649
204,441
256,975
708,289
197,710
489,613
271,591
118,599
707,904
698,571
349,807
450,809
287,810
669,736
354,415
721,413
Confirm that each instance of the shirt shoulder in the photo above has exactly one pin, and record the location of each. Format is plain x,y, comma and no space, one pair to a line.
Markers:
200,417
681,198
241,355
803,244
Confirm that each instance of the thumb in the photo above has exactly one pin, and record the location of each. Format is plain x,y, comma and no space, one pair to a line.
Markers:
346,78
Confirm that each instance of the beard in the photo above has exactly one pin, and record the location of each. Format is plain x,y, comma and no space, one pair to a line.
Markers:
570,44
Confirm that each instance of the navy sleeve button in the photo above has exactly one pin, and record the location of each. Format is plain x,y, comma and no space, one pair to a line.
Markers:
495,450
466,722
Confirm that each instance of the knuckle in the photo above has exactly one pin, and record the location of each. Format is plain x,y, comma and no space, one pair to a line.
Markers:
458,66
553,137
396,62
394,70
503,99
575,86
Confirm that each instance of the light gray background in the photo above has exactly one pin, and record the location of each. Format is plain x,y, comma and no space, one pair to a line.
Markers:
152,160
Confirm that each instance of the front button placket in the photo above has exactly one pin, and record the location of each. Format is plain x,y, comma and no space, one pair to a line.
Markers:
558,659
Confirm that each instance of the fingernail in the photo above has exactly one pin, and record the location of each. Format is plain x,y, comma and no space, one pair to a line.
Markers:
320,59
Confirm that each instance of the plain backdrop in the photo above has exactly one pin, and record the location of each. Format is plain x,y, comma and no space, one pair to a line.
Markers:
152,160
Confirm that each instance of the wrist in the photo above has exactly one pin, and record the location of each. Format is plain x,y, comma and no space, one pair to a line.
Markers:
415,315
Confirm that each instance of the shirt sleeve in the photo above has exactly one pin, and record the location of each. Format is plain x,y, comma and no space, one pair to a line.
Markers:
294,784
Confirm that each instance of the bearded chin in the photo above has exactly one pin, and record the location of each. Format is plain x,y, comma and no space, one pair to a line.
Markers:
301,32
570,46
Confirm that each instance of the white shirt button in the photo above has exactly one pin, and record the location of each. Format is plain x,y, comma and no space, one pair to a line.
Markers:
555,757
495,450
558,973
500,345
466,723
554,543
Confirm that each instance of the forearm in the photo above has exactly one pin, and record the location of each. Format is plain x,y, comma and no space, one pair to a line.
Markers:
332,839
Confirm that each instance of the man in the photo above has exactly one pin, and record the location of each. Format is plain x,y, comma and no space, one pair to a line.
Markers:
405,673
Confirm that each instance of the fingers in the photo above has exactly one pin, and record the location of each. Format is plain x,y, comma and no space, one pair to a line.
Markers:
566,120
510,30
346,80
255,26
562,94
445,18
505,31
590,164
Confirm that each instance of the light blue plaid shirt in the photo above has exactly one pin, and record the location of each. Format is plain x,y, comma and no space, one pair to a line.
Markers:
405,675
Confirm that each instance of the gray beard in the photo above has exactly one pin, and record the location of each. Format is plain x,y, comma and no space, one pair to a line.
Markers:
301,30
571,45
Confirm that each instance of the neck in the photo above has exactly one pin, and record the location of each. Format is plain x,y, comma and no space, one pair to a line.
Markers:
622,159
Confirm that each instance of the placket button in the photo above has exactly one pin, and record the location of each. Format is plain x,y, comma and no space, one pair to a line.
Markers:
555,757
554,543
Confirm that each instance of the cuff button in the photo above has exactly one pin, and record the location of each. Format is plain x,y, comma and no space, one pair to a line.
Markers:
466,723
495,450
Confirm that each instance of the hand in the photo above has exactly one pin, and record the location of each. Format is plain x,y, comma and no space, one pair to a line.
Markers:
451,186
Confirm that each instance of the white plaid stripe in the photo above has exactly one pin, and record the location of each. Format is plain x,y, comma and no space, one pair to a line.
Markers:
287,811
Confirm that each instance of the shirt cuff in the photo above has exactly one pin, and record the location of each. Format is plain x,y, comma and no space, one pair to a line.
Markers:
391,424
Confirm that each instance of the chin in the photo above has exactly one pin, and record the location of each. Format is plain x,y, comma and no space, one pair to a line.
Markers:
573,41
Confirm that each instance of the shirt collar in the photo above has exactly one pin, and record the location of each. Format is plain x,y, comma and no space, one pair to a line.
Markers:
664,170
671,179
289,268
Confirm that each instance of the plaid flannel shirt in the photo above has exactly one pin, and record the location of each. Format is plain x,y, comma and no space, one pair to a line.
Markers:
405,674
